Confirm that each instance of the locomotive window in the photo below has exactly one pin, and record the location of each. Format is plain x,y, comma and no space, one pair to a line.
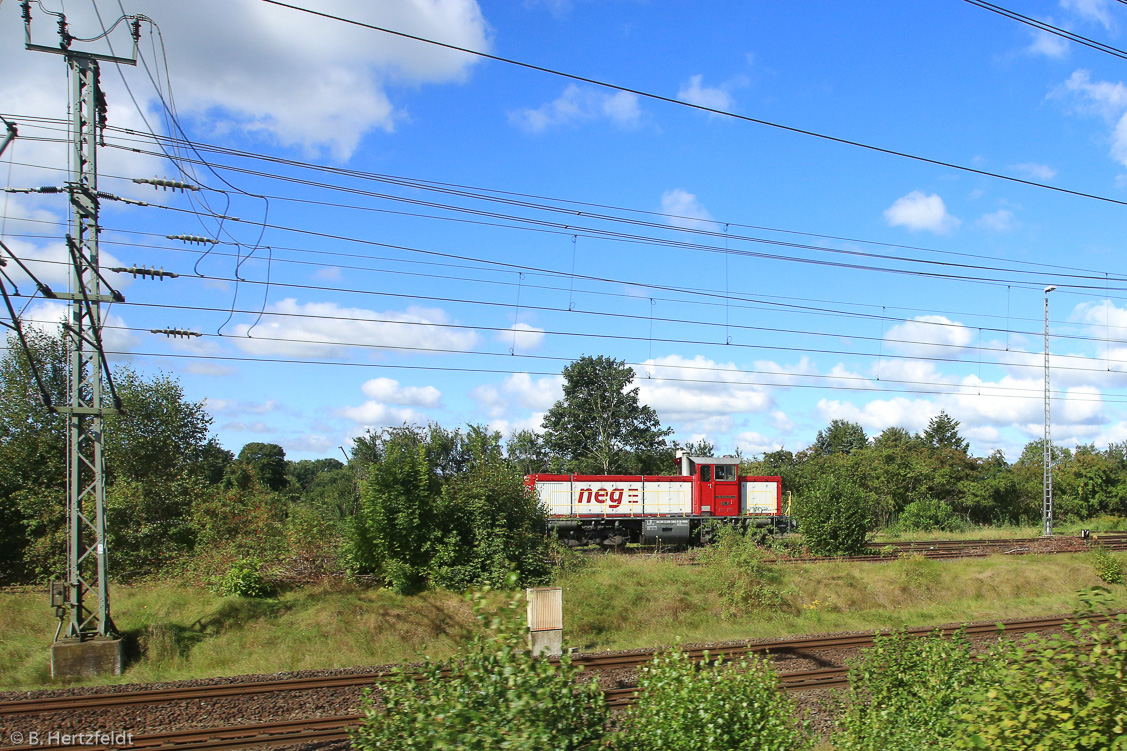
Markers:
725,471
706,473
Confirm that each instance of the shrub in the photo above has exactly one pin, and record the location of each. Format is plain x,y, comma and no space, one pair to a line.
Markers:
244,579
928,514
496,696
1054,693
1108,567
737,561
904,692
834,516
685,706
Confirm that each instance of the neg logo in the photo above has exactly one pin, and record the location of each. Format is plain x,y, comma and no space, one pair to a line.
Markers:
612,498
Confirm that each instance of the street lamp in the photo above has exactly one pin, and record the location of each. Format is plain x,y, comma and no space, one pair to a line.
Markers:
1047,507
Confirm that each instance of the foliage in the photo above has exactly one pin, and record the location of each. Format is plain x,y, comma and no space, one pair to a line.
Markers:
492,524
394,529
1051,693
684,706
841,437
943,433
267,461
905,693
599,426
1108,567
495,696
927,514
527,452
747,583
244,579
834,516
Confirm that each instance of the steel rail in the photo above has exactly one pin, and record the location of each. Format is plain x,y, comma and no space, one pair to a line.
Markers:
592,662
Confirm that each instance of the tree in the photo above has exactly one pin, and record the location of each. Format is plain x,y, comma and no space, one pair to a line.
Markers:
526,450
834,515
32,450
841,437
892,437
943,433
394,526
266,460
600,426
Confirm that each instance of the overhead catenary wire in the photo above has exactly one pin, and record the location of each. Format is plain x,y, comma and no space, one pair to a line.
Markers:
700,107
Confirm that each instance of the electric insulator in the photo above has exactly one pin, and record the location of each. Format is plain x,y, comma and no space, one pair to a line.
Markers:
192,239
161,182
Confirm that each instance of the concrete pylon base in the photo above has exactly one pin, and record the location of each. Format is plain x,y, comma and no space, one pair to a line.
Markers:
86,659
547,643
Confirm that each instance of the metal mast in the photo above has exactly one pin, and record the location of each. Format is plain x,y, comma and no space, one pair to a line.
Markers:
85,593
1047,507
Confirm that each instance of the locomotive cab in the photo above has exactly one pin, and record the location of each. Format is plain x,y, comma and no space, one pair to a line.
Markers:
716,481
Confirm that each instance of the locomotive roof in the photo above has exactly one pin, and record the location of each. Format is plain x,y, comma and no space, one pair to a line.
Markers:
714,459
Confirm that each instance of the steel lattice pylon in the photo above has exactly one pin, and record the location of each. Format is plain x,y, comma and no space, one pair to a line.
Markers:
86,554
83,602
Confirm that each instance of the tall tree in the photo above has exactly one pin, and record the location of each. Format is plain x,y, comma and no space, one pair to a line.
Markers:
600,425
266,460
943,433
841,437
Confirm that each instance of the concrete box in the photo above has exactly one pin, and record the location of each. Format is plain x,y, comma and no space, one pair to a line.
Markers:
86,659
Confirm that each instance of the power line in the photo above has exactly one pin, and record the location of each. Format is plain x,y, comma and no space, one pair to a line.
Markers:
701,107
1049,28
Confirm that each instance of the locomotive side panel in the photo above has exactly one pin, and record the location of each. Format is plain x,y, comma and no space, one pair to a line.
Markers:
593,496
760,497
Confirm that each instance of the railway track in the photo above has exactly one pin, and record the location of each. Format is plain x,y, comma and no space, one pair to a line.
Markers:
335,729
127,699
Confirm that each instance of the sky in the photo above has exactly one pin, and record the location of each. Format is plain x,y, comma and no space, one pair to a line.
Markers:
827,211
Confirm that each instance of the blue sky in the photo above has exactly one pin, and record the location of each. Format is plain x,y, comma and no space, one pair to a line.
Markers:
477,225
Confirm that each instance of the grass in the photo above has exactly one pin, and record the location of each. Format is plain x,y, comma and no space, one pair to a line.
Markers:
1098,524
610,602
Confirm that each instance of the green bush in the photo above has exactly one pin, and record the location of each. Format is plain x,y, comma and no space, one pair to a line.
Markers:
684,706
495,696
748,583
1108,567
904,694
244,579
834,516
1054,693
927,515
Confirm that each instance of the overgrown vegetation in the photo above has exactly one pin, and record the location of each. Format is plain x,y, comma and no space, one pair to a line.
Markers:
684,705
494,695
904,692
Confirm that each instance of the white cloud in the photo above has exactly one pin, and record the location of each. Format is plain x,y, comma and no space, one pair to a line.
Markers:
879,414
235,407
1096,11
683,210
1105,99
253,427
116,338
522,336
997,221
1049,45
388,390
321,329
930,335
210,369
1035,171
699,394
373,414
752,443
312,443
705,96
578,105
230,79
917,211
517,390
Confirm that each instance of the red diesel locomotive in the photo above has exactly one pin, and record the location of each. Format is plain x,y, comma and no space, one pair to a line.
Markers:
670,509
